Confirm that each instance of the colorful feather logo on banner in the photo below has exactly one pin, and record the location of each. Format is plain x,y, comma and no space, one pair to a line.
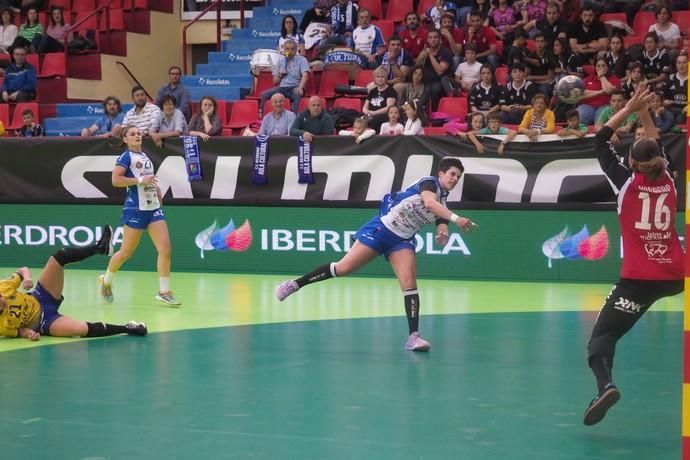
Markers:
225,238
578,246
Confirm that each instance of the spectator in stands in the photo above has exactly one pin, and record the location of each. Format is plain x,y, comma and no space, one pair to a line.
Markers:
598,90
436,62
517,52
413,125
392,127
367,38
176,89
313,121
566,62
676,96
538,120
587,36
144,114
484,8
55,39
290,75
288,31
540,66
617,58
534,10
380,97
419,92
8,31
517,97
634,79
466,75
413,37
629,7
483,38
435,12
667,31
476,124
573,127
553,25
505,18
170,122
206,122
279,121
656,64
344,17
486,95
617,103
663,119
451,37
360,130
493,127
398,63
321,12
19,84
30,128
110,124
30,32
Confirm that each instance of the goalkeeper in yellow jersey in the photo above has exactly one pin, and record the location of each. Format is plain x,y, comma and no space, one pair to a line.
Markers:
35,313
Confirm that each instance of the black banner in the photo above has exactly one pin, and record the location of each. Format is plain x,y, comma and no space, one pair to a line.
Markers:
556,174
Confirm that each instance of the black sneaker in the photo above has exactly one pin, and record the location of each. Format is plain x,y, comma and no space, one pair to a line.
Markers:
135,328
105,244
601,404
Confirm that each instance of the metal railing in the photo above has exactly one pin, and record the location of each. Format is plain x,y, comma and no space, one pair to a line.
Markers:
217,4
95,12
131,75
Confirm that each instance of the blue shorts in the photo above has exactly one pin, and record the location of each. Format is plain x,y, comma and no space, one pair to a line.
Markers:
49,308
376,236
140,220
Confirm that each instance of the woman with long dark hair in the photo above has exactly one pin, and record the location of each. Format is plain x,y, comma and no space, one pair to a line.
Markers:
288,31
55,38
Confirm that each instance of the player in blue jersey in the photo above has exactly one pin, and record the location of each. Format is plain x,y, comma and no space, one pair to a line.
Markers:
392,234
141,211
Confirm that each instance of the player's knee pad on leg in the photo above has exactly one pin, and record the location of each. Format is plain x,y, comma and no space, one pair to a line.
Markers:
603,345
95,329
61,256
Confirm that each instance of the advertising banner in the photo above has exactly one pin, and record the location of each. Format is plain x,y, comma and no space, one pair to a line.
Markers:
543,175
230,9
508,245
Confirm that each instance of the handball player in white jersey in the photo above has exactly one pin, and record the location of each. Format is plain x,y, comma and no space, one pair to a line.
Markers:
141,211
652,254
392,234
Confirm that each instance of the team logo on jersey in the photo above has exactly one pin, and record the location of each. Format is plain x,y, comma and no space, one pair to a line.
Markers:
578,246
138,165
655,250
224,238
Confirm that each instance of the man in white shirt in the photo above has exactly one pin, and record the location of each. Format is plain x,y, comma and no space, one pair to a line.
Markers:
466,75
144,114
367,39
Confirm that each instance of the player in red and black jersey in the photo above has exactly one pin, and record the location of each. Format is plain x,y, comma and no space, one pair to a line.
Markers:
652,254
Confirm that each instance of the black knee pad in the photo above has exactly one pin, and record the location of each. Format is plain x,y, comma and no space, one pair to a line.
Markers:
62,257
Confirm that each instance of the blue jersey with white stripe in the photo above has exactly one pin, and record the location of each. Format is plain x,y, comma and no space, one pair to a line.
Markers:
404,213
139,196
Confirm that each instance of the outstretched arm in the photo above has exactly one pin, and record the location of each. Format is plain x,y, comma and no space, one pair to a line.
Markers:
430,202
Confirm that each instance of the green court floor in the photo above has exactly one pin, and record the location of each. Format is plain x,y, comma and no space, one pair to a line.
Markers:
235,374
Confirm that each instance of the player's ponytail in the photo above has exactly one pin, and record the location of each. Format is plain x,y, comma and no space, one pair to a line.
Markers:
653,169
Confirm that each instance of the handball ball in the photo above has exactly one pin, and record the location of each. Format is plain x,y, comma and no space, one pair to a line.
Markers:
570,89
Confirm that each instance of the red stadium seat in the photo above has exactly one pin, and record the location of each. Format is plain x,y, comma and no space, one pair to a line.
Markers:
89,24
397,9
424,5
5,114
304,104
643,20
456,106
387,28
53,65
33,59
614,17
501,75
588,69
364,77
17,121
268,107
329,79
243,113
348,103
374,6
634,40
263,82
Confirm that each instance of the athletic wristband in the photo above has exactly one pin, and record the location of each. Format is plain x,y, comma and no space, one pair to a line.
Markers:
140,179
454,217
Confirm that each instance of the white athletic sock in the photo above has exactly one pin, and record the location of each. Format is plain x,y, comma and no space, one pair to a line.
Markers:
164,283
108,279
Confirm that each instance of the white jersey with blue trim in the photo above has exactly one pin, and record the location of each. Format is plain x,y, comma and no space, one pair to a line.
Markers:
139,196
405,214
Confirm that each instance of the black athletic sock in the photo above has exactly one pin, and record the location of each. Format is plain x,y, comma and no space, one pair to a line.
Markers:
601,368
104,330
321,273
412,309
71,254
